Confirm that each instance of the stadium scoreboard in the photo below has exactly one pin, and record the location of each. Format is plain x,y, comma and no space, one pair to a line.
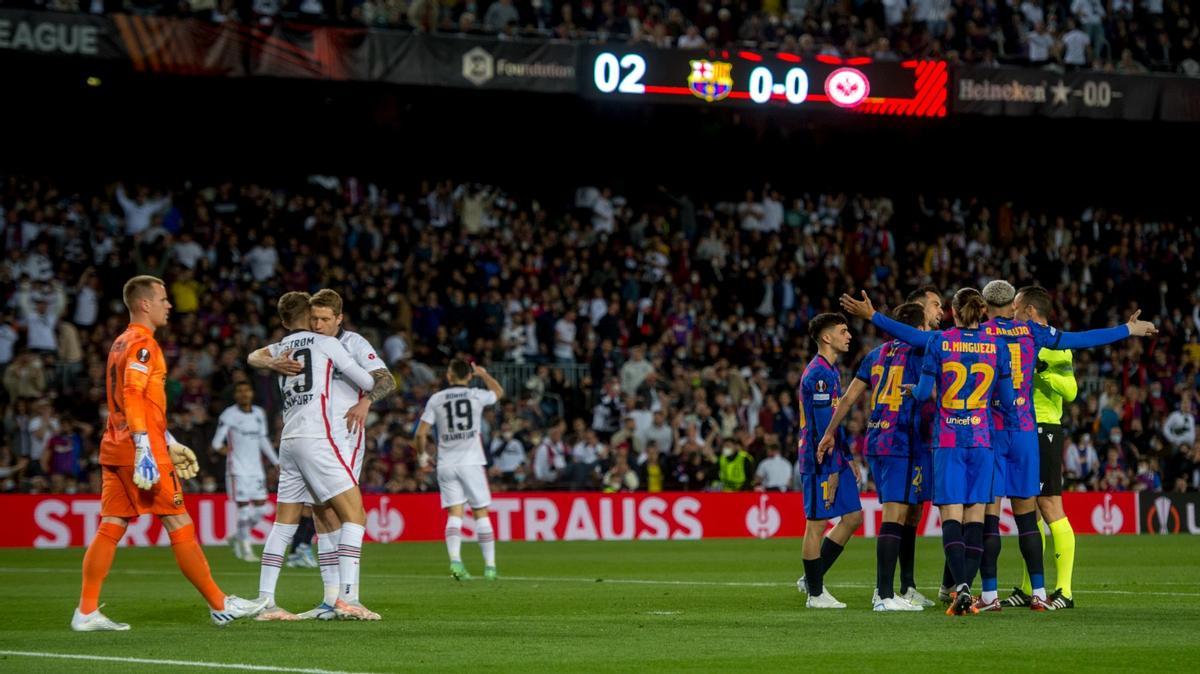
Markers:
740,78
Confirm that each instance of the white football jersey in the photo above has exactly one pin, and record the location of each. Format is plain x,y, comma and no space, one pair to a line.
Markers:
246,435
307,398
456,415
345,392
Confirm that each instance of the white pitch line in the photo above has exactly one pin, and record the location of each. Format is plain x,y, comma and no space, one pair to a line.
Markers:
174,663
612,581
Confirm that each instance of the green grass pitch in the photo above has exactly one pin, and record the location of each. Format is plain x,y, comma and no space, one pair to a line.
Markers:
630,606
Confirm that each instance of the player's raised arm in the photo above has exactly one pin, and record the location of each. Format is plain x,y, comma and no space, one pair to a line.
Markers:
1102,336
866,310
489,381
930,369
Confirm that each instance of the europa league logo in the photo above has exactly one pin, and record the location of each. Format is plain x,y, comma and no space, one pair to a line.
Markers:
1168,516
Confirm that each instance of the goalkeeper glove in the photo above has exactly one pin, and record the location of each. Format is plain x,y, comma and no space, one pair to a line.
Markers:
145,470
184,460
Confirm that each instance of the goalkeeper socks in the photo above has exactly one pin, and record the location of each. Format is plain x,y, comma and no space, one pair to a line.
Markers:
989,566
908,548
1028,538
947,577
192,562
246,517
956,553
349,553
973,547
272,557
96,562
1026,586
887,549
814,576
1064,554
487,540
830,551
327,558
454,538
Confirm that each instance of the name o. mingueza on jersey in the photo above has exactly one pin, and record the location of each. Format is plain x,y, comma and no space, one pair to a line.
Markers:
968,347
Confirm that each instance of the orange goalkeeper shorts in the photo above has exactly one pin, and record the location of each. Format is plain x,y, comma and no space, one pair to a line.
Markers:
120,497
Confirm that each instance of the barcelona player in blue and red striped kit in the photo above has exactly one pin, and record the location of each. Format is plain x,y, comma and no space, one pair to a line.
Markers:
897,451
828,480
968,369
1015,440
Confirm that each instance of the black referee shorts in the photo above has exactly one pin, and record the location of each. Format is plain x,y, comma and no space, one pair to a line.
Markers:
1051,438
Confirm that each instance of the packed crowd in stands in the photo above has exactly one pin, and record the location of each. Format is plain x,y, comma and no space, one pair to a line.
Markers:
652,342
1127,36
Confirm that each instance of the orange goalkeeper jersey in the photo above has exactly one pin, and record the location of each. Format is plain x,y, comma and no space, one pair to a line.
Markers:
137,397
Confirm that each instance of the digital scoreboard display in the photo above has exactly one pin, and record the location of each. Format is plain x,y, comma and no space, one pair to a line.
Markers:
741,78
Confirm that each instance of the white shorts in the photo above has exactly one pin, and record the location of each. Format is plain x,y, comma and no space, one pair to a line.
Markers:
246,488
464,484
311,471
353,448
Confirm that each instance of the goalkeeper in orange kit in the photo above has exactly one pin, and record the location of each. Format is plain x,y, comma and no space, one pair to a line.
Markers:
142,464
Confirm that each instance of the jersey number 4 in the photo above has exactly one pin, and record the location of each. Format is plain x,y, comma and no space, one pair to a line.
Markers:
975,401
887,390
458,415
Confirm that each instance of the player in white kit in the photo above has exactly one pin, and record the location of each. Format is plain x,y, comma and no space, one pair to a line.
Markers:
456,412
350,406
312,468
244,438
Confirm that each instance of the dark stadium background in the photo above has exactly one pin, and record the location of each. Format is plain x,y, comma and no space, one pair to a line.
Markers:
143,127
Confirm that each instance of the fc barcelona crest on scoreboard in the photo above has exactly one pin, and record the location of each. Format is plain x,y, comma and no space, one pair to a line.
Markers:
711,80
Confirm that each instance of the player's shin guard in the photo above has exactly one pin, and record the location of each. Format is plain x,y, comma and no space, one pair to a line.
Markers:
830,551
1064,554
327,559
454,538
973,545
96,562
487,540
194,565
908,549
814,576
887,550
989,567
272,557
349,554
1029,539
955,549
1026,586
